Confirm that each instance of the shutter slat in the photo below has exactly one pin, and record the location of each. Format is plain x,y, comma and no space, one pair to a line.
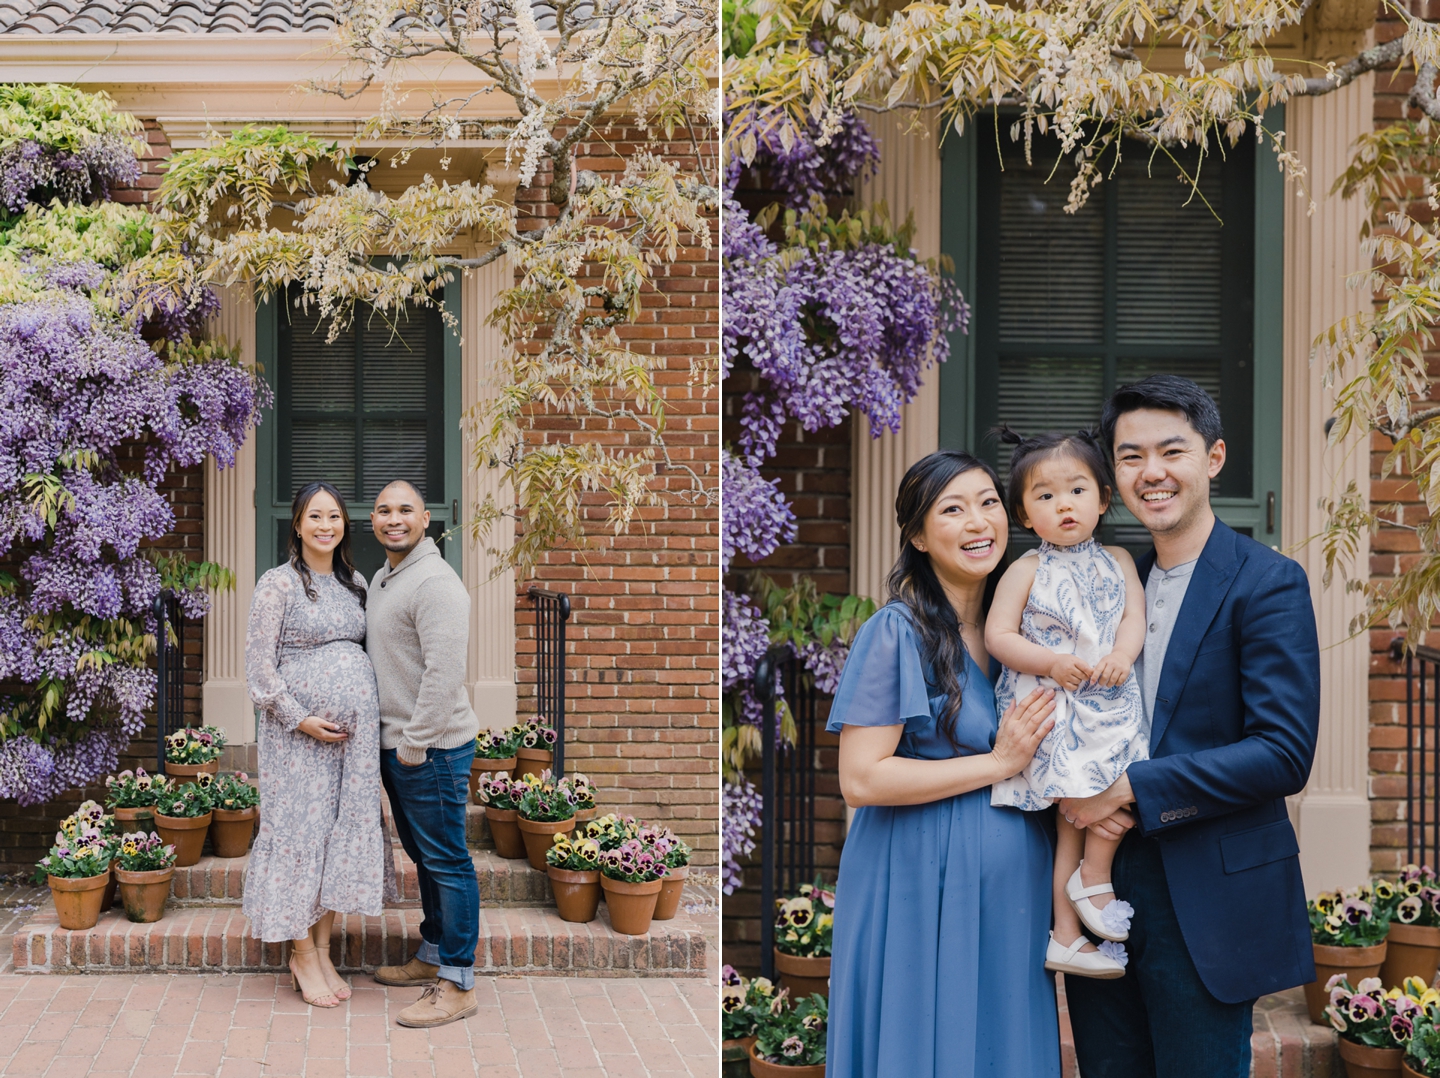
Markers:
1052,264
1169,250
1041,394
321,449
394,362
322,376
394,450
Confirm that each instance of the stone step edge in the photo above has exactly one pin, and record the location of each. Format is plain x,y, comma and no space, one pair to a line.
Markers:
216,940
220,881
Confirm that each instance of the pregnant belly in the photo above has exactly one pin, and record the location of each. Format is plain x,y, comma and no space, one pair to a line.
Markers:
335,682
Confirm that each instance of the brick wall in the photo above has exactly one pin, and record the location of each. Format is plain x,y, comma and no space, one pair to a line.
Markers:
1392,550
642,693
814,472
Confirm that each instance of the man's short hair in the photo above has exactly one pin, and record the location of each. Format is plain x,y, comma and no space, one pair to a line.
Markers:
414,490
1165,393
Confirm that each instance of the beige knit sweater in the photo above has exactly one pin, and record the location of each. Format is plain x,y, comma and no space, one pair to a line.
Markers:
417,620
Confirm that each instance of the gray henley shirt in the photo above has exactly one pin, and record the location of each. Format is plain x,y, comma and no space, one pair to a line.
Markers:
1164,592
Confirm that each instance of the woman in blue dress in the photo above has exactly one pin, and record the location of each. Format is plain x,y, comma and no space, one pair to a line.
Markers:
943,900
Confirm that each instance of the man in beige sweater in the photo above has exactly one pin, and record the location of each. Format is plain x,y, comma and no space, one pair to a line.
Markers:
416,629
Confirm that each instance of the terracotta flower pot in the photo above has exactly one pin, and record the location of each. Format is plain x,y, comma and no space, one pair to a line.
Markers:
1408,1071
539,835
135,819
505,831
1362,1061
481,764
184,774
803,976
186,834
77,902
144,893
577,894
584,816
670,888
631,905
761,1069
108,902
531,762
735,1057
1356,963
1410,951
231,831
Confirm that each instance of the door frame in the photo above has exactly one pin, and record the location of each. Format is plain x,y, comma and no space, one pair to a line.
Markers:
268,509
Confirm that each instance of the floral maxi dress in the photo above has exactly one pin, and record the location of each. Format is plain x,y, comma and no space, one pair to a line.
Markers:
322,842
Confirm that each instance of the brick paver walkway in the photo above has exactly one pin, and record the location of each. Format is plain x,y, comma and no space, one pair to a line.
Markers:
254,1025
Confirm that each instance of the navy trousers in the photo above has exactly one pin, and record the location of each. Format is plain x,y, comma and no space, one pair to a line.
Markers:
1159,1020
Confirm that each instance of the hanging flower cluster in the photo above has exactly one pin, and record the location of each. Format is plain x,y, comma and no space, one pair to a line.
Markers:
78,381
834,316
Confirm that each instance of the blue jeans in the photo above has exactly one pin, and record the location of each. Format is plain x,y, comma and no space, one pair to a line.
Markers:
1159,1020
429,805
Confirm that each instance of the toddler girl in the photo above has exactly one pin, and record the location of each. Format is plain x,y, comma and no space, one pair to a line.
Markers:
1071,616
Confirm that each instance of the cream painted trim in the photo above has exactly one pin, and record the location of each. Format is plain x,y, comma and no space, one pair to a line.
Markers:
1333,814
908,180
230,541
491,677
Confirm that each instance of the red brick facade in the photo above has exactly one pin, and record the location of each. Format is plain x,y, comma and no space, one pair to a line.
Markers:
1392,550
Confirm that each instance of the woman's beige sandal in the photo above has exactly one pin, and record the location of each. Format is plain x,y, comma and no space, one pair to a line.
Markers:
314,1001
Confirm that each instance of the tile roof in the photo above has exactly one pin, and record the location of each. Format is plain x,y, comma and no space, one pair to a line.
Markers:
165,16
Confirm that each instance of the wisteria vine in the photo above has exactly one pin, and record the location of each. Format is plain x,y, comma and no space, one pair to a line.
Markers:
834,317
83,379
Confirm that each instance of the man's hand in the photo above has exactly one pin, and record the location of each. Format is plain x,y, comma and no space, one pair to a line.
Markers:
1084,811
1113,827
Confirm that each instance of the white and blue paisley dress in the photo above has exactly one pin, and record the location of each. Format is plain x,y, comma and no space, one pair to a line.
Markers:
1075,607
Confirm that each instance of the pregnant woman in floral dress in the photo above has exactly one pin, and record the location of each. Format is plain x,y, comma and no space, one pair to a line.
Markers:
322,847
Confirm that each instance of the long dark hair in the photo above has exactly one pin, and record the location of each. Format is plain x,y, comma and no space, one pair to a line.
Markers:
1083,445
343,567
913,580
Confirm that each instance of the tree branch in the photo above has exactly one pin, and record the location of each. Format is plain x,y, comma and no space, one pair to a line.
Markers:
1369,60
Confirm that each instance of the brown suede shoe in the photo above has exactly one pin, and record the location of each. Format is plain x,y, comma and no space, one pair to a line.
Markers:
443,1002
411,975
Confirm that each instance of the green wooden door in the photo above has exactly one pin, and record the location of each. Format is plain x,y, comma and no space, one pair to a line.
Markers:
1138,282
380,402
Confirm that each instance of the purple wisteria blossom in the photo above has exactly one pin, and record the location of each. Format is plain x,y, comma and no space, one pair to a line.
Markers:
745,636
33,172
806,168
740,822
757,518
75,383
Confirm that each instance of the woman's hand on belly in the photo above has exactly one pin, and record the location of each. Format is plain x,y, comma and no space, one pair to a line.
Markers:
322,729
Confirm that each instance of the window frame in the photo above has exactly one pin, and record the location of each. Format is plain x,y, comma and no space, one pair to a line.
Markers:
961,380
273,507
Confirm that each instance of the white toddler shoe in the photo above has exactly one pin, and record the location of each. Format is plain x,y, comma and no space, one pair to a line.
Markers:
1106,964
1110,923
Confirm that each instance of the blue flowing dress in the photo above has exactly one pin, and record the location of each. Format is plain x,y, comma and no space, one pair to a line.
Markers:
942,910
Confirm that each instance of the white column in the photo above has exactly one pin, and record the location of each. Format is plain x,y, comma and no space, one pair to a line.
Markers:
1320,252
907,181
230,541
490,672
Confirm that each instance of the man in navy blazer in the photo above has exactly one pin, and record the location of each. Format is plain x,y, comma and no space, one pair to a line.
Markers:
1209,859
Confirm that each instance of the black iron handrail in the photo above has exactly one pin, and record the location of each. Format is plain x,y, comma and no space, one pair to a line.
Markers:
787,789
552,611
169,669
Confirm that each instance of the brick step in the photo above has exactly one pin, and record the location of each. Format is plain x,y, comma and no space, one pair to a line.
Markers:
211,939
1284,1044
220,881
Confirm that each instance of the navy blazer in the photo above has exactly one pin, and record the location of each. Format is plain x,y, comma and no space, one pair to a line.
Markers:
1233,733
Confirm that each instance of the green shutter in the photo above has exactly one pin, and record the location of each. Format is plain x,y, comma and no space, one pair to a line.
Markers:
1146,278
378,403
